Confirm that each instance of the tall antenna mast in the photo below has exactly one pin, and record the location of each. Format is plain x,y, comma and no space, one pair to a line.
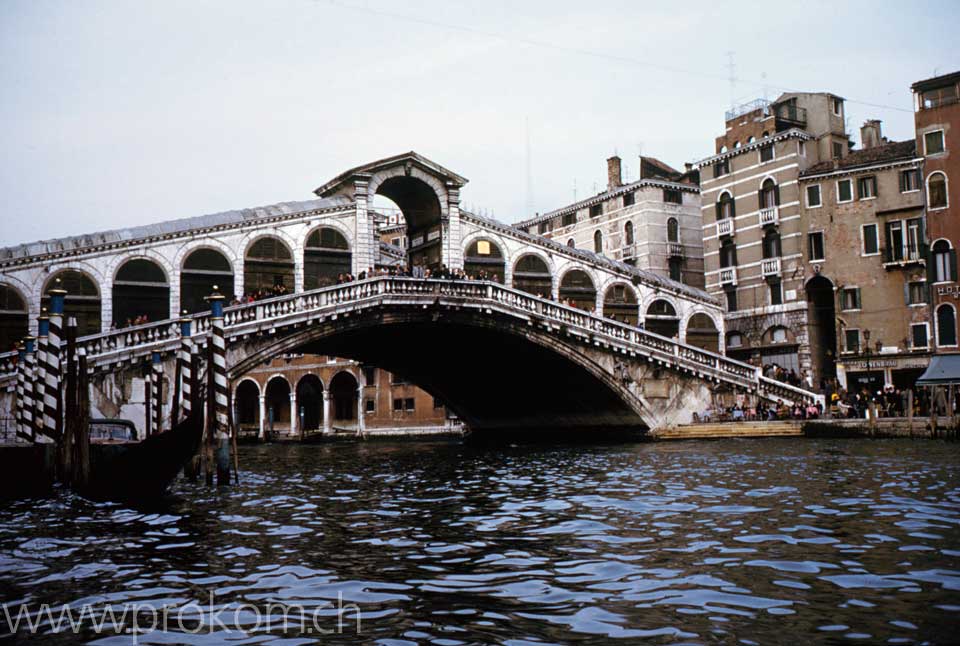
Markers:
732,77
766,89
529,169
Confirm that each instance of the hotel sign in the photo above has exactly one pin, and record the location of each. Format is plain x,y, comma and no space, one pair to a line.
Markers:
878,364
949,290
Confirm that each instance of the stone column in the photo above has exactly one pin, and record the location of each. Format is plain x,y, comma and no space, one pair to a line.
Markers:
293,413
263,417
453,242
363,246
327,421
361,422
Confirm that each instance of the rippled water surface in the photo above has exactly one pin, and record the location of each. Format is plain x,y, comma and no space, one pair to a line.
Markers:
769,541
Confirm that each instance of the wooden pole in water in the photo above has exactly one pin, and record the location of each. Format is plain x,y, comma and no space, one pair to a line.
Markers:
157,380
219,436
52,403
194,403
910,410
233,437
83,422
209,436
147,403
70,419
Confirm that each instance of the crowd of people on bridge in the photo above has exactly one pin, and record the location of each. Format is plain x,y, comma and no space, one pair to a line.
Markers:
741,412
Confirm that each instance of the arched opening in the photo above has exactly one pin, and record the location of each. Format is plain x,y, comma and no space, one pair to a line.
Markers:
246,406
278,404
661,318
310,403
779,353
597,242
946,326
628,234
422,212
82,300
726,207
532,275
937,191
822,328
268,268
572,243
771,244
484,259
702,332
202,270
14,318
944,262
728,254
673,230
343,391
141,293
326,255
576,289
769,194
620,304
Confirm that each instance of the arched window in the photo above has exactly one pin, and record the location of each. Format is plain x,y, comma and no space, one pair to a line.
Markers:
598,242
765,134
532,275
722,150
946,325
769,194
14,319
736,144
577,289
673,230
937,191
661,318
202,270
702,332
140,290
620,304
571,243
628,234
751,139
326,255
246,406
771,244
944,262
268,268
725,206
82,300
484,259
728,254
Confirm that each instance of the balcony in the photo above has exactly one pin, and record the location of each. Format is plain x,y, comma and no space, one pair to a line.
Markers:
728,276
675,249
770,267
791,115
906,256
770,216
725,227
628,252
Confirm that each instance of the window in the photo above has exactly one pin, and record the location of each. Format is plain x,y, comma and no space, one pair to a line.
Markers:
933,142
851,298
673,196
844,191
571,243
673,230
369,375
404,405
596,210
409,404
370,406
946,326
769,194
770,245
916,292
813,196
778,335
728,254
676,269
815,246
397,380
939,96
736,144
598,242
629,199
803,149
734,340
628,233
871,242
731,300
398,405
721,168
904,238
766,153
751,139
542,228
570,219
944,262
867,187
837,105
851,340
437,403
776,293
725,206
909,180
937,191
837,150
919,336
395,242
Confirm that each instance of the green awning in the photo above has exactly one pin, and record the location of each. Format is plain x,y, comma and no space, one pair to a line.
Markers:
944,370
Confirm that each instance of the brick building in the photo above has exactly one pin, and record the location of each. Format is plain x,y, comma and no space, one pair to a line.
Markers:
865,257
753,231
652,223
937,120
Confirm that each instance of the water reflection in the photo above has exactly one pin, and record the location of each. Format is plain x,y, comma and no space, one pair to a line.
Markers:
698,542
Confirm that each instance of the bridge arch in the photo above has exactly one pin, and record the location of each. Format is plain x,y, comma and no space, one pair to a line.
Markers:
269,264
309,394
246,404
422,199
326,255
202,267
277,403
14,316
620,302
578,287
701,330
140,288
344,394
83,299
661,318
485,253
532,272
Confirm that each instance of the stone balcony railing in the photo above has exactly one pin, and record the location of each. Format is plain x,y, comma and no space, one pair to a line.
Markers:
770,267
770,216
728,276
725,227
675,249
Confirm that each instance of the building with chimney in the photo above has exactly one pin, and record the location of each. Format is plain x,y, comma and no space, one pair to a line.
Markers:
937,121
864,260
753,233
652,223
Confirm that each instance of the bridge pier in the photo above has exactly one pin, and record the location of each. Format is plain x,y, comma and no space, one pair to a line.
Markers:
263,416
327,422
293,411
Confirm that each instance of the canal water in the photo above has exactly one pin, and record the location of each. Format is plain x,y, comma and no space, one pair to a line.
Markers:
732,542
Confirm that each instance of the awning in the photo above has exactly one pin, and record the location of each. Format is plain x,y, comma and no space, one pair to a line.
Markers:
944,369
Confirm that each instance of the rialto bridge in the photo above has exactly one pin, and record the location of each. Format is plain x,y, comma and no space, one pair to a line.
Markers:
557,337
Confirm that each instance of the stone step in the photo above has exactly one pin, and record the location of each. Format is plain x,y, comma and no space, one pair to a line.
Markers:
732,430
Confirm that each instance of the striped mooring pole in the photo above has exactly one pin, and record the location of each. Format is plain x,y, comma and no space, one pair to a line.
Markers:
21,383
40,376
218,434
184,361
29,406
52,417
157,394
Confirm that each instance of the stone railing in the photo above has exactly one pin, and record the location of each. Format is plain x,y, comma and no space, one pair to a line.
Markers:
137,343
769,216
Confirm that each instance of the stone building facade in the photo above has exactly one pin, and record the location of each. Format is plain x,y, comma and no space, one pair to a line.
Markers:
753,230
937,119
865,257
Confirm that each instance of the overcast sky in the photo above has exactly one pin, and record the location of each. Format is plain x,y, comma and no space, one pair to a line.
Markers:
122,113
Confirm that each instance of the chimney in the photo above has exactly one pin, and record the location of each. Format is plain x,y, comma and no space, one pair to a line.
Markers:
688,166
614,179
870,136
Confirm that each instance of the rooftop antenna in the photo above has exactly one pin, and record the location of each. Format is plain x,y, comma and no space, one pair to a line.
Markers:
574,189
766,89
732,77
529,169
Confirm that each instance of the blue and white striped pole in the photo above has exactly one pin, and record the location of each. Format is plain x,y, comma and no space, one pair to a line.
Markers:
219,436
184,357
40,376
29,406
52,410
157,393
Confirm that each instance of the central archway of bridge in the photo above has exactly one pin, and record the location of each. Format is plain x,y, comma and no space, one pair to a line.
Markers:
494,377
421,210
